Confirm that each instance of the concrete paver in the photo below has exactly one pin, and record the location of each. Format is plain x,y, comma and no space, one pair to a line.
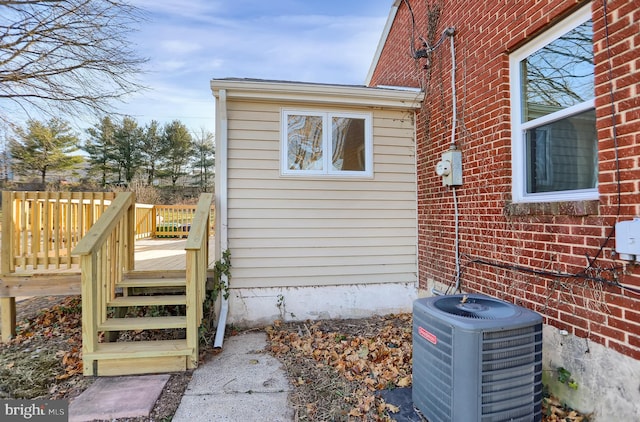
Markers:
243,383
117,397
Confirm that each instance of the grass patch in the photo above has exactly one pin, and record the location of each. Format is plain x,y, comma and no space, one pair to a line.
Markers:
27,373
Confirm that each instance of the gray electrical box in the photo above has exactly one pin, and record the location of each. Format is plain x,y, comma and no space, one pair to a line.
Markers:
476,358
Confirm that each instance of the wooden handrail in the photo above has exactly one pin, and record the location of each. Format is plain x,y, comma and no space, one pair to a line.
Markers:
196,274
200,222
106,252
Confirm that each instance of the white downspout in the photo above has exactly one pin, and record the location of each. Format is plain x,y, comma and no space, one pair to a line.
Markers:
221,206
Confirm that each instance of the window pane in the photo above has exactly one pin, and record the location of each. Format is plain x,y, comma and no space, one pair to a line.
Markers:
347,144
558,75
304,142
562,155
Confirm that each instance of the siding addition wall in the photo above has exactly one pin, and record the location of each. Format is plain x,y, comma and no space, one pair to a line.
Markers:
315,231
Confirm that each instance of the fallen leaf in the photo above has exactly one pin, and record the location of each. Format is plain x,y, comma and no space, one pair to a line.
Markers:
391,408
355,412
404,382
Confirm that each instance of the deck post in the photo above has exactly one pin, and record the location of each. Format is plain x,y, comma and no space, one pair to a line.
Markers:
154,221
192,317
7,232
130,233
89,304
7,304
8,310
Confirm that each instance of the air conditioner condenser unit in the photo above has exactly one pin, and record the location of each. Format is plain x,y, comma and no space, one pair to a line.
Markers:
476,358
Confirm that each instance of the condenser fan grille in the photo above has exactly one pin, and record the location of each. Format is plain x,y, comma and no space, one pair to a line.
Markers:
477,308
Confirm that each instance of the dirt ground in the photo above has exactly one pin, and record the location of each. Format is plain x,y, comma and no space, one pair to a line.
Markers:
339,367
336,367
45,362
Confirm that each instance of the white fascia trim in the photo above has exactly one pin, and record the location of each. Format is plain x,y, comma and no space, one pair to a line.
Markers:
383,40
400,88
318,93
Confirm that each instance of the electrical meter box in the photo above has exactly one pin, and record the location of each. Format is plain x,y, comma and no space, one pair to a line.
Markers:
628,239
450,168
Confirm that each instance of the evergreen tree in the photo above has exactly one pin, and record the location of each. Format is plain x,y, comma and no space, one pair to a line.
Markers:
127,152
100,148
204,153
41,148
177,141
153,149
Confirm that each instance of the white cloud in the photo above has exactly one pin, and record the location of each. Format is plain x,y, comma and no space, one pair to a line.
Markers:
189,43
179,46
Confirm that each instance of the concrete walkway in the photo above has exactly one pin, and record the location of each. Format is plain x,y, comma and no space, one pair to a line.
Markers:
243,383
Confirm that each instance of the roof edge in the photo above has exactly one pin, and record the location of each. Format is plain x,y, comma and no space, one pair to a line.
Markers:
383,39
262,90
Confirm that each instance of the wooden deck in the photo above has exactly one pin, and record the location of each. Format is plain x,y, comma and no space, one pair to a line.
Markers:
150,255
64,244
164,254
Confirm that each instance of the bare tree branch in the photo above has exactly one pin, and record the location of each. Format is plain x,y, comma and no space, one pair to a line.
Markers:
67,56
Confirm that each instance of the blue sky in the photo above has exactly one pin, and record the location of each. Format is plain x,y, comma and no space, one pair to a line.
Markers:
189,43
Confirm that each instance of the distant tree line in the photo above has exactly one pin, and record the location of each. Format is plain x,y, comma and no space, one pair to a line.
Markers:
113,152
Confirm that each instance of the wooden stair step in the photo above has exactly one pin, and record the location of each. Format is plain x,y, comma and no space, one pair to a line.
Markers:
153,282
139,357
155,274
143,323
140,349
158,300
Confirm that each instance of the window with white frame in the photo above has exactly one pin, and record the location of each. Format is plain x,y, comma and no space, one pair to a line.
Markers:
326,143
553,120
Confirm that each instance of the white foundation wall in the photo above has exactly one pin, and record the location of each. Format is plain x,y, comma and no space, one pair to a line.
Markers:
253,307
608,382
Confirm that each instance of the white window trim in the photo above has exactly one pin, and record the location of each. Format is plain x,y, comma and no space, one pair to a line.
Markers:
518,167
326,145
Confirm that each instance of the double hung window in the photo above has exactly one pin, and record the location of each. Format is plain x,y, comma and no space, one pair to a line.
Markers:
555,156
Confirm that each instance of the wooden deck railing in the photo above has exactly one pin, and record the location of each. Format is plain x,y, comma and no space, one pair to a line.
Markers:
176,220
106,252
41,228
145,221
197,248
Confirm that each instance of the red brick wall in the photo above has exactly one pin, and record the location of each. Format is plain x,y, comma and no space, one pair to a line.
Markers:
546,237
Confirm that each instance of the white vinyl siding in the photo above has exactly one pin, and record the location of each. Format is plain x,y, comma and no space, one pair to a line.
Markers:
287,231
